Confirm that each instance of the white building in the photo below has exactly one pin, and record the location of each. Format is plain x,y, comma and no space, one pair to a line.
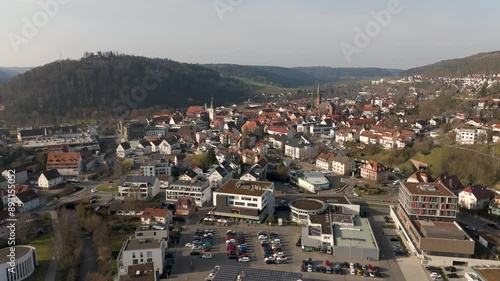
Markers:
123,150
25,263
219,176
342,165
139,187
155,168
49,179
251,200
475,197
313,182
199,190
141,251
25,198
470,135
169,146
300,148
156,216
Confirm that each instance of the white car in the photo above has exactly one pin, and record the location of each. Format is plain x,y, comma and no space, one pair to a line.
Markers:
94,190
230,241
262,237
277,241
351,266
208,235
269,259
244,259
217,267
309,268
196,247
207,256
281,259
211,275
189,245
353,271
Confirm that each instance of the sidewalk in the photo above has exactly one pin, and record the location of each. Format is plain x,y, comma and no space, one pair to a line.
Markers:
50,275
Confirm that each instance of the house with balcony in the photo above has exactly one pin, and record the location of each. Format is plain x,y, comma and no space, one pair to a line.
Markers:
197,188
139,187
250,200
138,251
475,197
156,168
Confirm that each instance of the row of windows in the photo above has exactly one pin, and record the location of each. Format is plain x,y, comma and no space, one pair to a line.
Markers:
22,270
149,254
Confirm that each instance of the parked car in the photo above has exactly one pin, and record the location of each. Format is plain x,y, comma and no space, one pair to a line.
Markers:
188,245
244,259
207,256
452,275
450,268
194,253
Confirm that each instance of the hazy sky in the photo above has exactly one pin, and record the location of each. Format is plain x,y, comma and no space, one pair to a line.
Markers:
258,32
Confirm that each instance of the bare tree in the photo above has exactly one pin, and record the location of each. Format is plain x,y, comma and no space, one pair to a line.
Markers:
25,228
67,244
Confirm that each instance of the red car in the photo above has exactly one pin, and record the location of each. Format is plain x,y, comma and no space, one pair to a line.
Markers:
242,256
370,268
207,250
327,263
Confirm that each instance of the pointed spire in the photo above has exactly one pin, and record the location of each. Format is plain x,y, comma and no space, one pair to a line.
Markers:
212,102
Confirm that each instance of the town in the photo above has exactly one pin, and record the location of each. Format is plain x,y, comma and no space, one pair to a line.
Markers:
284,187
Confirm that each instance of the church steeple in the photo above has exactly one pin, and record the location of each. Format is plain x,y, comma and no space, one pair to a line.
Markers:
318,97
211,110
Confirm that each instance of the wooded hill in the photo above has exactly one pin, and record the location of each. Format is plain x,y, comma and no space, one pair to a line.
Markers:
115,83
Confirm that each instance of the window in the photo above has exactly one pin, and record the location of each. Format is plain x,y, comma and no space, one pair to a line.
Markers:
135,261
149,260
133,255
149,254
141,255
239,203
255,199
251,205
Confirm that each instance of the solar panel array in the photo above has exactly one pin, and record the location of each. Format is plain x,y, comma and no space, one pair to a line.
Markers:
231,272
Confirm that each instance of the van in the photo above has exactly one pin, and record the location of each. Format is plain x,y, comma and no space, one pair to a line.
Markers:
329,269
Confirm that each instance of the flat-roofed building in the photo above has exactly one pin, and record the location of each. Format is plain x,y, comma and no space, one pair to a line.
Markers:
428,201
141,251
250,200
139,187
196,188
154,231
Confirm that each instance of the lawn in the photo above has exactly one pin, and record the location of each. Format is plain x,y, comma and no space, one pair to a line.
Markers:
43,245
106,188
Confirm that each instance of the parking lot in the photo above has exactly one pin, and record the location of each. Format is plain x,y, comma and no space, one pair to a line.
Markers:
189,267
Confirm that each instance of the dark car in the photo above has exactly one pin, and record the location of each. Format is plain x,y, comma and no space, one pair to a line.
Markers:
194,253
450,268
492,225
271,262
394,239
452,275
430,268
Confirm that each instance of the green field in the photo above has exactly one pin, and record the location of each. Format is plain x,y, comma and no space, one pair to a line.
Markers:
43,245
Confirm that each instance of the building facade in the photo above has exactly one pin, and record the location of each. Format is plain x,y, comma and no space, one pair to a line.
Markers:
25,263
139,187
141,251
428,201
199,190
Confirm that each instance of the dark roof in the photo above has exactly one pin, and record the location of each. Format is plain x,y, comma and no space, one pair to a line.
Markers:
32,133
171,140
51,174
191,173
480,192
125,145
27,196
145,143
221,171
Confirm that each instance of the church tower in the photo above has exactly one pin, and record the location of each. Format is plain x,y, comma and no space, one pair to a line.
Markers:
211,110
318,97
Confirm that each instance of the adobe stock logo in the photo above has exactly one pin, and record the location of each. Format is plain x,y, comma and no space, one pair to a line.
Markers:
363,37
31,26
223,6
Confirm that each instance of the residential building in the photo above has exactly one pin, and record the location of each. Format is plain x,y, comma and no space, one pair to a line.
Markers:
20,175
300,148
24,198
219,176
139,187
145,147
156,168
475,197
250,200
67,163
156,216
427,201
123,150
196,188
311,181
324,161
141,251
470,135
185,206
165,181
342,165
170,146
49,179
153,231
374,171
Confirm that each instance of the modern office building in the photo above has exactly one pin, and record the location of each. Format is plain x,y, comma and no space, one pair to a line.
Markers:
25,263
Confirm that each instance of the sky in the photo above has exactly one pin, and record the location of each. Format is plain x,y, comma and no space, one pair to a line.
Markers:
288,33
